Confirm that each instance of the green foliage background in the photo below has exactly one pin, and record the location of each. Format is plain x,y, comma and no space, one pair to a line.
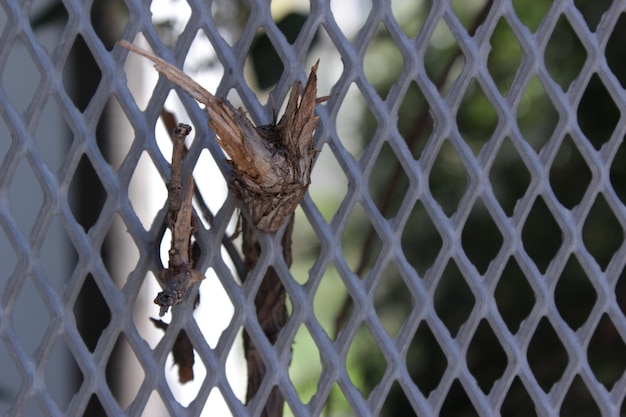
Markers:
569,177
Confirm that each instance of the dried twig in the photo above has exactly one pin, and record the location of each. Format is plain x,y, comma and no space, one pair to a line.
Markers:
180,276
203,209
182,350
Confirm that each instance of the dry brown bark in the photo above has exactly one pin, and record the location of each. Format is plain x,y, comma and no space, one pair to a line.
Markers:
271,170
271,163
271,313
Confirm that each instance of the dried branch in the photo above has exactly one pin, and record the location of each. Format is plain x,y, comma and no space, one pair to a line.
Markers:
180,276
182,350
170,125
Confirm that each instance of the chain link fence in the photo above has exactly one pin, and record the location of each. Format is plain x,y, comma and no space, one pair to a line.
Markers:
460,251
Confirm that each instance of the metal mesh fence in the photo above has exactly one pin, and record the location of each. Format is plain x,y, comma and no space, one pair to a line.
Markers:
478,237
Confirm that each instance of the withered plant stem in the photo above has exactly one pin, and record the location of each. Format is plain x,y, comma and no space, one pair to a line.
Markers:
271,171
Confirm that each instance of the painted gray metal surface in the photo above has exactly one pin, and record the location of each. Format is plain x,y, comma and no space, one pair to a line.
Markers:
59,304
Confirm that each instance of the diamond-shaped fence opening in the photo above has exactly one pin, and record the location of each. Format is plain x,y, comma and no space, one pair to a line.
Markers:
383,61
331,301
453,299
470,14
114,142
364,346
398,400
480,228
574,294
86,186
170,20
476,119
517,400
542,235
57,245
618,172
509,176
616,41
393,300
443,60
25,197
307,367
52,119
28,301
569,174
606,353
230,18
592,15
332,195
600,129
456,400
425,360
420,240
110,20
19,63
487,368
579,400
514,296
91,313
349,25
505,56
11,379
448,178
50,21
460,250
602,221
565,55
547,356
536,115
61,357
130,368
410,15
352,249
531,13
358,127
415,130
81,63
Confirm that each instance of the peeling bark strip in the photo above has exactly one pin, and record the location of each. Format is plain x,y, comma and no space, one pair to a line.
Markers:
271,171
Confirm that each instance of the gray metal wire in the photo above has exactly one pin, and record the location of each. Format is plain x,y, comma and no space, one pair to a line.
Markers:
59,304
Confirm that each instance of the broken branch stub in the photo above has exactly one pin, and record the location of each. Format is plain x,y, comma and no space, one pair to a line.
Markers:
271,163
